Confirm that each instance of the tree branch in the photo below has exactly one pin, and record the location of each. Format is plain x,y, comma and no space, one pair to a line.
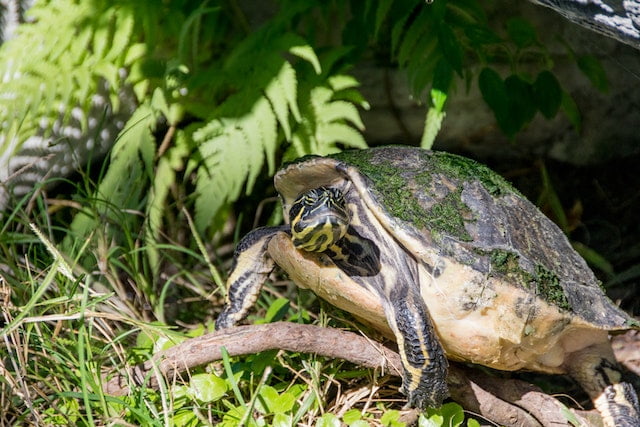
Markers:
506,402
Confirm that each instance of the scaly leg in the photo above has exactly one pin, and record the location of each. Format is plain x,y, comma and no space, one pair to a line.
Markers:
251,267
425,364
597,371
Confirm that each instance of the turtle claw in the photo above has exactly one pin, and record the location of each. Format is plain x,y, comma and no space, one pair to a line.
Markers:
424,396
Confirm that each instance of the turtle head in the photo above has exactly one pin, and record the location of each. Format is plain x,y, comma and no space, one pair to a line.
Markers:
319,218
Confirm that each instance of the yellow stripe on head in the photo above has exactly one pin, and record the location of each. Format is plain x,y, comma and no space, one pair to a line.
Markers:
319,218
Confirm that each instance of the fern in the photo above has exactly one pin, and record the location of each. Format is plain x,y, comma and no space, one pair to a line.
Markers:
328,123
235,145
71,46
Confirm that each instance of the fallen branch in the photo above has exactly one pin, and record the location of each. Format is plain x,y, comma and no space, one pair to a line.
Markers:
505,402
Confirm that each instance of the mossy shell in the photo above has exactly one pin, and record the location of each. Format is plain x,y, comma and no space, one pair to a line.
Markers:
503,285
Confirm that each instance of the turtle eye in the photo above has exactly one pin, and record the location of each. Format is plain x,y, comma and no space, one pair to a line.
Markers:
319,218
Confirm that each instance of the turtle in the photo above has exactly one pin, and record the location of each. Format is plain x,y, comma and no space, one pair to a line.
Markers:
445,256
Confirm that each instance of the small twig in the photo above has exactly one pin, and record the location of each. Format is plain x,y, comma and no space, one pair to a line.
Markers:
164,146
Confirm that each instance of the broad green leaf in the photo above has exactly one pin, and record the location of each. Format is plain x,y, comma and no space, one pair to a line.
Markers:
547,94
453,414
521,107
570,109
328,420
282,420
494,92
272,402
434,420
351,416
391,418
592,68
521,32
185,418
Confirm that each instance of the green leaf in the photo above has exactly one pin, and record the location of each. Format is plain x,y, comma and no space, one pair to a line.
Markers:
328,420
521,32
433,420
570,109
450,414
341,82
308,54
391,418
351,416
450,47
276,310
493,89
418,30
494,92
547,94
282,420
521,107
207,387
442,77
381,13
592,68
271,402
234,150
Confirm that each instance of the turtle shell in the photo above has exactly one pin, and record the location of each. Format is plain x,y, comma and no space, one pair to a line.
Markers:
493,267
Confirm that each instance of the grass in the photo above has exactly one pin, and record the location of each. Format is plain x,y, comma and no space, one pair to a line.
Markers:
74,313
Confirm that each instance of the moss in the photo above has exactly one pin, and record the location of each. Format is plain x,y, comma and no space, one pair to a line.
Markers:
549,287
466,169
394,184
507,264
543,281
448,216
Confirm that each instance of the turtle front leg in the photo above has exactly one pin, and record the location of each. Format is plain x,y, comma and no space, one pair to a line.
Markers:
251,267
423,359
597,371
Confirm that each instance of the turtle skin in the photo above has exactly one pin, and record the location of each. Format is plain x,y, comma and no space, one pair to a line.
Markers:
451,261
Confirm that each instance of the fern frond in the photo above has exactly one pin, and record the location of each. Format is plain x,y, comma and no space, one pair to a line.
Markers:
329,122
71,46
233,153
62,89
